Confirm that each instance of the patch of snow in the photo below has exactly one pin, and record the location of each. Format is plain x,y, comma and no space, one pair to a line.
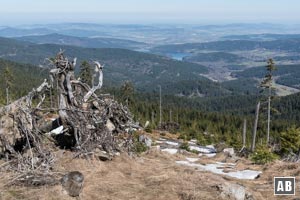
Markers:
170,151
217,169
157,147
202,149
221,163
210,155
193,143
192,159
210,146
159,142
245,174
172,143
162,139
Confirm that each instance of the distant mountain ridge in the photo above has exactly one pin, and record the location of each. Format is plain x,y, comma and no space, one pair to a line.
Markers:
145,70
231,45
98,42
261,37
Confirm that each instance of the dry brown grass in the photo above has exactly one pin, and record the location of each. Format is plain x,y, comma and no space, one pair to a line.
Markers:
152,176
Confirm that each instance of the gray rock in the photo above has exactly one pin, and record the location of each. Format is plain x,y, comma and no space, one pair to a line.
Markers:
104,157
146,140
229,151
234,191
72,183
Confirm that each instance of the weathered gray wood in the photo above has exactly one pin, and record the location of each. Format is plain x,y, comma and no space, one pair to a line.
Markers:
244,132
78,115
269,119
98,68
7,96
160,111
255,126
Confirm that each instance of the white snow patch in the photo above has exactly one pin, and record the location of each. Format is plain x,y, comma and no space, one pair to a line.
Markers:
200,149
210,155
245,174
192,159
190,142
217,169
157,147
221,163
162,139
172,143
211,147
170,151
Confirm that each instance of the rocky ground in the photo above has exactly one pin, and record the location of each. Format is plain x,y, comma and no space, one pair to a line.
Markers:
156,174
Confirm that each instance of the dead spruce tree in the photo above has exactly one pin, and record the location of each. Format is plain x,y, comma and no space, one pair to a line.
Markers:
92,119
267,84
84,122
255,127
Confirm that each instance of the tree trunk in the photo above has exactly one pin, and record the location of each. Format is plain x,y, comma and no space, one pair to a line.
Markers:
255,126
7,96
152,118
244,132
160,112
269,119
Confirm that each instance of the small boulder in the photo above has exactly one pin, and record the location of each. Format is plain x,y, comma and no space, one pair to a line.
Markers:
102,155
146,140
233,191
229,151
72,183
220,147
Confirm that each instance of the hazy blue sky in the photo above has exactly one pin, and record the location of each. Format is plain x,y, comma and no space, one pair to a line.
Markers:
149,11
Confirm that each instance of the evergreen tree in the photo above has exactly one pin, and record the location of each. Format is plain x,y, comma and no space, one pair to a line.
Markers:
290,140
7,77
127,92
86,73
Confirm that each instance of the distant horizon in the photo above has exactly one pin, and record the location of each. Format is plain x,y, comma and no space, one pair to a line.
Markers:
15,12
106,22
147,24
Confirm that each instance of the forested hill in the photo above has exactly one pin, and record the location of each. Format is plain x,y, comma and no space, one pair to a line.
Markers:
214,57
232,45
98,42
288,107
263,37
24,77
145,71
288,75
